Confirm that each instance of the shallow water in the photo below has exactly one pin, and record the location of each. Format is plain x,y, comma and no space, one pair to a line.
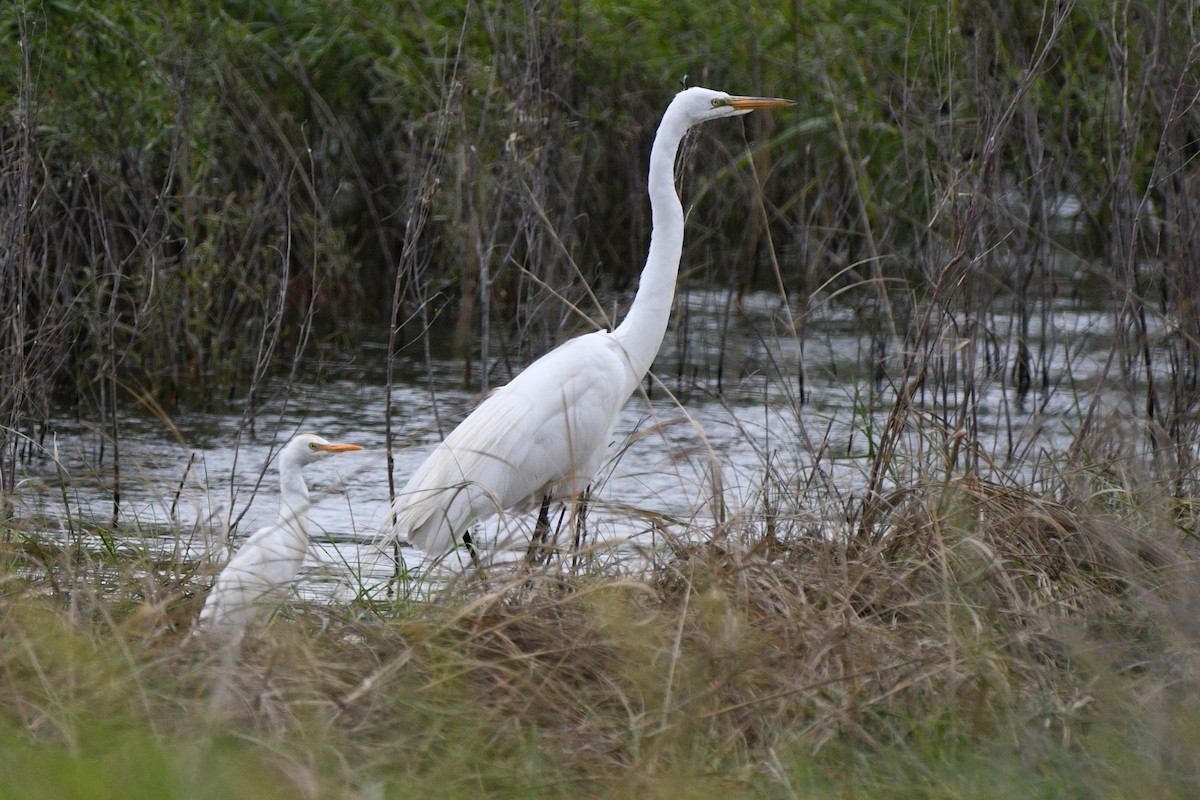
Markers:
736,374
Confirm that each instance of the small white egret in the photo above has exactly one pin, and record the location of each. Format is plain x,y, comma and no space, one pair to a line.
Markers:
273,555
543,435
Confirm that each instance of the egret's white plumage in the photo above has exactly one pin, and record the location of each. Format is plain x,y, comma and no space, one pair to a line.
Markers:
546,432
272,556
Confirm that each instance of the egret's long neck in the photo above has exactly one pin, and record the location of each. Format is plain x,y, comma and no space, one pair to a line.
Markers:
293,501
641,332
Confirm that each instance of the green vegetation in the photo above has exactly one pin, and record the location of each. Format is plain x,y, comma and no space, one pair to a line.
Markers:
186,183
195,196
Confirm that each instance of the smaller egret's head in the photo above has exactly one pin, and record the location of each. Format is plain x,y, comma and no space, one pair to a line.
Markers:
700,105
305,448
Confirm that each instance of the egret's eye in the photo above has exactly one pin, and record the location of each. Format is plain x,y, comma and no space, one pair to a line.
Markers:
717,102
314,446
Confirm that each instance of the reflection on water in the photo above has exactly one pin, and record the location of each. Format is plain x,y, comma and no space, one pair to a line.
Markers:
735,372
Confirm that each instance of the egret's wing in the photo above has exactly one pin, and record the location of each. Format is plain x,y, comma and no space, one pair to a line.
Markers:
548,427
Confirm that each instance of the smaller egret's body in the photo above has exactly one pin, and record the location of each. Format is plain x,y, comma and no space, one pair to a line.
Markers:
272,556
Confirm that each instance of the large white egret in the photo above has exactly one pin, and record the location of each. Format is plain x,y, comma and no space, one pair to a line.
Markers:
271,558
543,435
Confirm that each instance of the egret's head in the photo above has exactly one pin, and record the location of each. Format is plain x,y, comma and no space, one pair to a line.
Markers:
700,105
305,448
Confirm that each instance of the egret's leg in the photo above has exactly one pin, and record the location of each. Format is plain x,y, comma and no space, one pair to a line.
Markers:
471,548
537,545
581,509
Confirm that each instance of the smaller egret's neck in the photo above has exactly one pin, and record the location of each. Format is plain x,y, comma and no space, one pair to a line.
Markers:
293,500
641,332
